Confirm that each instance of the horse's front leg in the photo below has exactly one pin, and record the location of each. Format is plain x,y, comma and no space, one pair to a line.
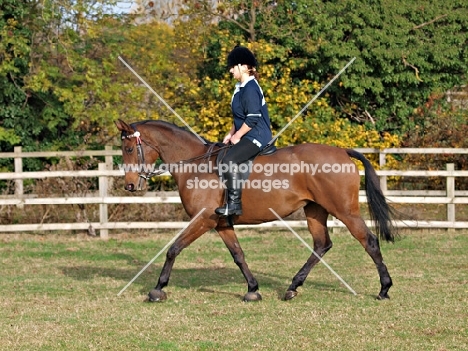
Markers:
190,234
230,239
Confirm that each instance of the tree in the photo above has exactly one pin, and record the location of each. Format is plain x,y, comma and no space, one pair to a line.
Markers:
62,85
79,68
405,51
286,96
14,52
18,114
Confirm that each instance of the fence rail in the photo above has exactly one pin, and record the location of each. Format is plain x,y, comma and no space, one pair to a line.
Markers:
450,197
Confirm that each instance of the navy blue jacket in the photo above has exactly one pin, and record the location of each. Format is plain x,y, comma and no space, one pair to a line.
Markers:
248,106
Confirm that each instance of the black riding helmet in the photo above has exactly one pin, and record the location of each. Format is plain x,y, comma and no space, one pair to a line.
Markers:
241,55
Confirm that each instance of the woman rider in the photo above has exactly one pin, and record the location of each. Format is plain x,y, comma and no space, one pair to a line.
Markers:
250,130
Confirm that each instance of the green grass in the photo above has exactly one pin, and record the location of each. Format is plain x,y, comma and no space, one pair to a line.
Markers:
60,293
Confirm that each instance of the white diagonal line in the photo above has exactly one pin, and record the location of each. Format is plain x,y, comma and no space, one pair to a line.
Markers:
316,254
162,250
161,99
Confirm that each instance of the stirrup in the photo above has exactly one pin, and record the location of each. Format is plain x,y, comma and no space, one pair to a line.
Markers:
229,210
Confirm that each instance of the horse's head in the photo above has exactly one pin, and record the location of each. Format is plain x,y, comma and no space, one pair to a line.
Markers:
138,157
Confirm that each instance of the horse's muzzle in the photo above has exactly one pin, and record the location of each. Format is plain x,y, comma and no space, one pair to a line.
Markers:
130,187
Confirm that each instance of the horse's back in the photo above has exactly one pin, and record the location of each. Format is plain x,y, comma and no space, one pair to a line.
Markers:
313,153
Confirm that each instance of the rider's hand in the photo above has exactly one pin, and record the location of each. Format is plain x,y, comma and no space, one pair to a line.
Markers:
227,139
235,139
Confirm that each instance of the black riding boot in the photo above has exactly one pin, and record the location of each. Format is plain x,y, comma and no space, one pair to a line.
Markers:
234,192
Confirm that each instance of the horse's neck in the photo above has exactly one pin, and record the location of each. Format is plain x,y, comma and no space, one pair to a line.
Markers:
178,145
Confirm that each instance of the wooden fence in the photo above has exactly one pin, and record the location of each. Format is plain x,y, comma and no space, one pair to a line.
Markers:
450,197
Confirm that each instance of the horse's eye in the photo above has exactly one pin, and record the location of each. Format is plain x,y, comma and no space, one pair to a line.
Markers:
129,150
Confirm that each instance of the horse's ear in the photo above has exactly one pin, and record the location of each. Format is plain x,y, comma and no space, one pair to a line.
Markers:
123,127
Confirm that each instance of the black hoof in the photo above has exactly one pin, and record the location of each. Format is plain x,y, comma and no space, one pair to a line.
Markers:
383,297
290,294
252,296
156,296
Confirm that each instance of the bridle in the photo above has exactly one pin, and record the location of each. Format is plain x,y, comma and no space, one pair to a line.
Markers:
144,174
141,158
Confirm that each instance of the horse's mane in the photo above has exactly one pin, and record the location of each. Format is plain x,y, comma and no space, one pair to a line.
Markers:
169,125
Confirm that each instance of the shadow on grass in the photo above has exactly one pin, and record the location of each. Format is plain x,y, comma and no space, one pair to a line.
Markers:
203,279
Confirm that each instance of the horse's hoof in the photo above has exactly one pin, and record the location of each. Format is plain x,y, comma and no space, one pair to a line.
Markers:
290,294
252,296
383,297
156,296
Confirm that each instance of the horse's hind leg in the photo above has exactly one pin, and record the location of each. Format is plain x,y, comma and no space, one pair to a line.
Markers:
317,223
370,242
230,240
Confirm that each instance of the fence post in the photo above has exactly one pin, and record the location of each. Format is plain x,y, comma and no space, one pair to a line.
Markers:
383,179
19,189
451,194
109,166
103,187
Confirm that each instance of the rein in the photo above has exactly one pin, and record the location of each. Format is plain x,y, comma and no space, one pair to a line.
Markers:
141,156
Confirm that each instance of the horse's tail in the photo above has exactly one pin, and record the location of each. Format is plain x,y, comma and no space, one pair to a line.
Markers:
380,212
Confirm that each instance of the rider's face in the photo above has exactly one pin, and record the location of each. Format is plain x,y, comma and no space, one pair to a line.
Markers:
237,71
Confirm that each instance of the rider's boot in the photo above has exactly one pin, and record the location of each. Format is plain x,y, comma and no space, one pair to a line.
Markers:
234,192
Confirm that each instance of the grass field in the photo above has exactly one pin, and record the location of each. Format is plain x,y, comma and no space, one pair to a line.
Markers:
59,292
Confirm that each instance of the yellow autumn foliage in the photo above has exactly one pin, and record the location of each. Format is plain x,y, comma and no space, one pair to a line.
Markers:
210,115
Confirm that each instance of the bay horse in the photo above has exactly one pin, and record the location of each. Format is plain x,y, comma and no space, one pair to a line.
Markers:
333,188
